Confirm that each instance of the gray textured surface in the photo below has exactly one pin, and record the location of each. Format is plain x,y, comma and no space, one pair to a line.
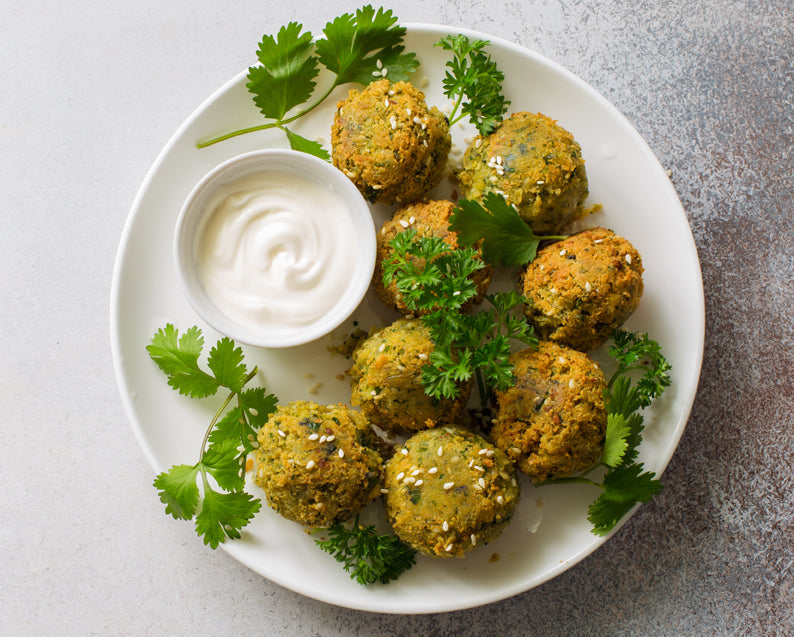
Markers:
91,92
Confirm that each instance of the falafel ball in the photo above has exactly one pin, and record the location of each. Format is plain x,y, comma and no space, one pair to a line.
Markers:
389,143
577,291
535,164
318,464
429,219
386,380
447,491
552,422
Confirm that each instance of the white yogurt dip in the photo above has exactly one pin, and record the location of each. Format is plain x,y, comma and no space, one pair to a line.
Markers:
275,250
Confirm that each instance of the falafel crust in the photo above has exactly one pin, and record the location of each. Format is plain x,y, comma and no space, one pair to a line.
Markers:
448,491
386,380
552,422
317,463
578,290
429,219
535,164
389,143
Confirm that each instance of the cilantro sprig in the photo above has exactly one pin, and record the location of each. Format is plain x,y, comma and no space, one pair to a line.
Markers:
506,238
473,82
221,507
626,482
361,48
435,281
368,556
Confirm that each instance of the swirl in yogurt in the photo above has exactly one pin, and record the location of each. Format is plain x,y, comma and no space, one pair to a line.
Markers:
275,250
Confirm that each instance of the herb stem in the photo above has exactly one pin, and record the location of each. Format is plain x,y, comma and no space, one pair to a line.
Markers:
220,411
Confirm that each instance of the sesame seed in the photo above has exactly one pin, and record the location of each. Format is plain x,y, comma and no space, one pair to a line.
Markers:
539,183
417,120
385,101
571,383
482,452
313,436
440,451
341,453
481,482
379,64
331,438
478,142
500,499
408,112
382,347
598,241
400,475
391,92
471,463
423,357
563,252
282,434
562,360
384,71
373,393
393,121
404,451
384,490
445,526
448,485
628,259
432,470
478,468
448,548
419,483
456,293
253,412
376,73
409,480
310,464
473,539
416,472
403,223
489,453
587,286
412,220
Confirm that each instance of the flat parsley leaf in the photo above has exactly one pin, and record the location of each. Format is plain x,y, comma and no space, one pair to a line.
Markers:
358,48
230,435
178,356
285,78
506,237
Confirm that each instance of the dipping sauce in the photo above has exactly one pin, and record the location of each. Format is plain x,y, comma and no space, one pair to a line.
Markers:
275,250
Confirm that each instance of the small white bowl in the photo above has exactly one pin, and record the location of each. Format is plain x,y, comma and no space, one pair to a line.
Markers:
282,317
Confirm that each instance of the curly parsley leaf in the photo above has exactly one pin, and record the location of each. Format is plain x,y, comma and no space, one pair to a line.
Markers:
506,237
368,556
227,441
435,281
473,82
358,48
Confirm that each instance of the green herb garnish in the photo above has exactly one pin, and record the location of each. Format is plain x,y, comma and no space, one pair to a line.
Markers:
220,512
357,48
435,281
506,237
366,555
626,483
474,83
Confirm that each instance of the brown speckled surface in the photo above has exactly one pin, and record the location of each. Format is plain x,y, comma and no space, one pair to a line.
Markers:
91,93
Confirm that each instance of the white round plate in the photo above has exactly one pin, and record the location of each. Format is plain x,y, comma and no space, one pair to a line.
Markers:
550,532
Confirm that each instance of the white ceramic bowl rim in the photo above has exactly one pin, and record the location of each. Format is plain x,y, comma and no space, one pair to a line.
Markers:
286,161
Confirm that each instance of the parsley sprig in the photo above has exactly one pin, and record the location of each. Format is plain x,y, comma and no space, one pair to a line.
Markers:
221,508
473,82
368,556
626,483
360,47
506,237
435,281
